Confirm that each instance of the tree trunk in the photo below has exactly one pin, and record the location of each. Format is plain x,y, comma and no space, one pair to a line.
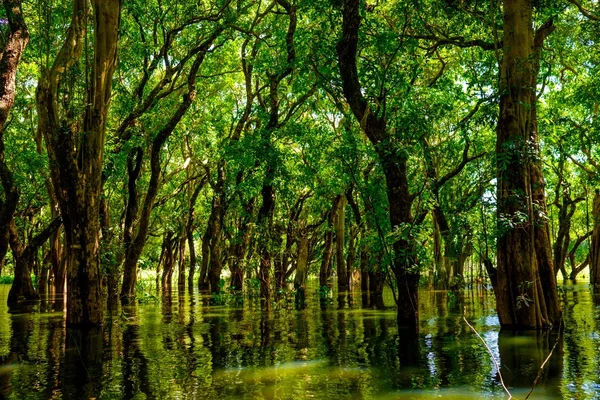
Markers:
342,273
594,256
15,41
206,239
216,228
325,269
22,287
134,168
43,281
181,262
376,284
265,216
190,233
301,270
170,246
78,184
134,251
526,293
395,169
241,248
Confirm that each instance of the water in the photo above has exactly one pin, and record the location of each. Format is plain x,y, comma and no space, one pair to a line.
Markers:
187,349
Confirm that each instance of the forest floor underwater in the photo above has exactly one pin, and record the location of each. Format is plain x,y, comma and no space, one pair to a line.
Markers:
185,347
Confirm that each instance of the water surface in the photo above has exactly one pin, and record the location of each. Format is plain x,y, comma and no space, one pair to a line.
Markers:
186,348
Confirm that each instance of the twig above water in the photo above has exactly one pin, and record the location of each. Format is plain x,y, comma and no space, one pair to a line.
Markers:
491,355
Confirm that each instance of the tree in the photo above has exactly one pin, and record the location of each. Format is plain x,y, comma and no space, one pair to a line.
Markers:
75,148
526,292
13,45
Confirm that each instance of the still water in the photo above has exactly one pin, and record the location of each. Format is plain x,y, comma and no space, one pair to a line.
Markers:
185,348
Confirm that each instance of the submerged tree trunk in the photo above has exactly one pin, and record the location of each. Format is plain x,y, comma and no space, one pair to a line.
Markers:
526,293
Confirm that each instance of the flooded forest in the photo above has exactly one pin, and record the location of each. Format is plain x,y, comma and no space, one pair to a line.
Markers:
294,199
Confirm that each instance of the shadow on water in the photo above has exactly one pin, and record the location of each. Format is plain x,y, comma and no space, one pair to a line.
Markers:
184,347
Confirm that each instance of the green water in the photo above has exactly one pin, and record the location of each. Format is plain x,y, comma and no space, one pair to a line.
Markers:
184,348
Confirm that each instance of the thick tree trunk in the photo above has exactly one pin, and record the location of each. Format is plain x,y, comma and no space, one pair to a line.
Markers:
526,294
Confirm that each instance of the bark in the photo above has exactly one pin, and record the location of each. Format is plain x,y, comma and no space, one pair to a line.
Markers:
22,286
526,293
400,200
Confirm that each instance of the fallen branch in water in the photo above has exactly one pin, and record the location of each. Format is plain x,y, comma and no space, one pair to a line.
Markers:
510,396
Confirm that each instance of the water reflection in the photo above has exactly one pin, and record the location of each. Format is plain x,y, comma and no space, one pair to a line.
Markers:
182,347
